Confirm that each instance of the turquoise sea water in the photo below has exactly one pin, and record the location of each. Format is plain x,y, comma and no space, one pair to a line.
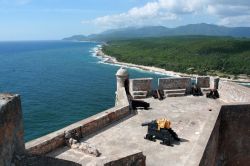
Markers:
59,82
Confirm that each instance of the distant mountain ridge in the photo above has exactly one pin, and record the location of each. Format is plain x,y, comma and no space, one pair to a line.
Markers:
161,31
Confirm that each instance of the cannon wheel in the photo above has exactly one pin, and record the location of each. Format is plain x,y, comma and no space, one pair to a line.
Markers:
174,135
149,137
166,142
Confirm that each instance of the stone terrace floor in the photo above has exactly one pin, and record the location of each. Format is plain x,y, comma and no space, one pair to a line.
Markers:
191,120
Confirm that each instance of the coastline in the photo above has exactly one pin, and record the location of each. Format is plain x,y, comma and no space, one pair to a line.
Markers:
107,59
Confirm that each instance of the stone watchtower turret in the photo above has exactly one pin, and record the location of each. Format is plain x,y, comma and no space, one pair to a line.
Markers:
122,79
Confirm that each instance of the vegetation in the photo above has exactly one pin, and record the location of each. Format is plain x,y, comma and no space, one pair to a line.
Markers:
161,31
188,54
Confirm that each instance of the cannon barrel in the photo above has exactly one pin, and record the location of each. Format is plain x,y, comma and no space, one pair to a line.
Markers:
147,123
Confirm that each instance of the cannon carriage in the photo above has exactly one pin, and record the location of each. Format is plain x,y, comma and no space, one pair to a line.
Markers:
160,129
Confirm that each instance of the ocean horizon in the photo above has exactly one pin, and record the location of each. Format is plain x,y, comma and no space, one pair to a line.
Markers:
60,82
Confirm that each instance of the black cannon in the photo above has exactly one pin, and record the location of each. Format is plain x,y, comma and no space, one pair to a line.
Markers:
214,94
139,103
160,129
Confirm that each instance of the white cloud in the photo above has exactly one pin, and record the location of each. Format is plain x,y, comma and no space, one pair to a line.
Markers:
152,13
148,14
236,21
182,6
228,10
231,15
162,11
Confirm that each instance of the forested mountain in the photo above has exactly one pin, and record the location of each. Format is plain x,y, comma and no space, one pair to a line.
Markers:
161,31
188,54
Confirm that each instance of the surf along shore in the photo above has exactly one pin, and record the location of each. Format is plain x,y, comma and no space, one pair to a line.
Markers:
112,60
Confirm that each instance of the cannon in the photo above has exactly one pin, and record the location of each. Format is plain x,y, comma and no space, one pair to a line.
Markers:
214,94
160,129
158,94
139,103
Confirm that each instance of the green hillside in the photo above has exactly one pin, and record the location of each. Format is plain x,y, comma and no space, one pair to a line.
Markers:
161,31
188,54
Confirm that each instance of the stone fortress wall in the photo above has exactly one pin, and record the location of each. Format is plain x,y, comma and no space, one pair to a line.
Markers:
229,141
11,128
231,92
174,83
216,150
170,83
140,84
141,88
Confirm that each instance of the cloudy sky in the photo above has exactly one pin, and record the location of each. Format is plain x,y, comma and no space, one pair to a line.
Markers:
55,19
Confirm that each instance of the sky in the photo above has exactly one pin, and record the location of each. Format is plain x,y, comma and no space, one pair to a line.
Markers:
56,19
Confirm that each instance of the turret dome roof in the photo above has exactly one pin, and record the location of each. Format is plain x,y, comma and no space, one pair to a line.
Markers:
122,72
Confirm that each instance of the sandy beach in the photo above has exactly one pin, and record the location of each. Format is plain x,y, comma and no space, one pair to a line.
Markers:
112,60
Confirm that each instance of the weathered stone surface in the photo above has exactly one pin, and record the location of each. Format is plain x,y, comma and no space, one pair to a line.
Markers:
232,92
203,81
89,149
121,97
140,88
45,144
80,146
67,135
142,84
174,83
121,76
193,118
214,82
137,159
210,135
209,156
11,128
50,142
234,140
35,160
190,117
229,142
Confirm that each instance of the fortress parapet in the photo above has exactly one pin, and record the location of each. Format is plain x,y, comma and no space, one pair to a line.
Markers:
215,130
140,87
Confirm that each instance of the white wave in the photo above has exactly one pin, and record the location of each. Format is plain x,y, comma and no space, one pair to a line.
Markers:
94,50
135,68
104,59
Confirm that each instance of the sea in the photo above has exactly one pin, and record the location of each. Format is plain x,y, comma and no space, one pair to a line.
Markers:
60,82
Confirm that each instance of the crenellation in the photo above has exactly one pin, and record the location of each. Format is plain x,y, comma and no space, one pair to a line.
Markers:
140,88
203,81
174,83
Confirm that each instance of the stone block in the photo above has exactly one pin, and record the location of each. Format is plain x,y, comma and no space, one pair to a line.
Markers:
143,84
214,82
203,82
174,83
